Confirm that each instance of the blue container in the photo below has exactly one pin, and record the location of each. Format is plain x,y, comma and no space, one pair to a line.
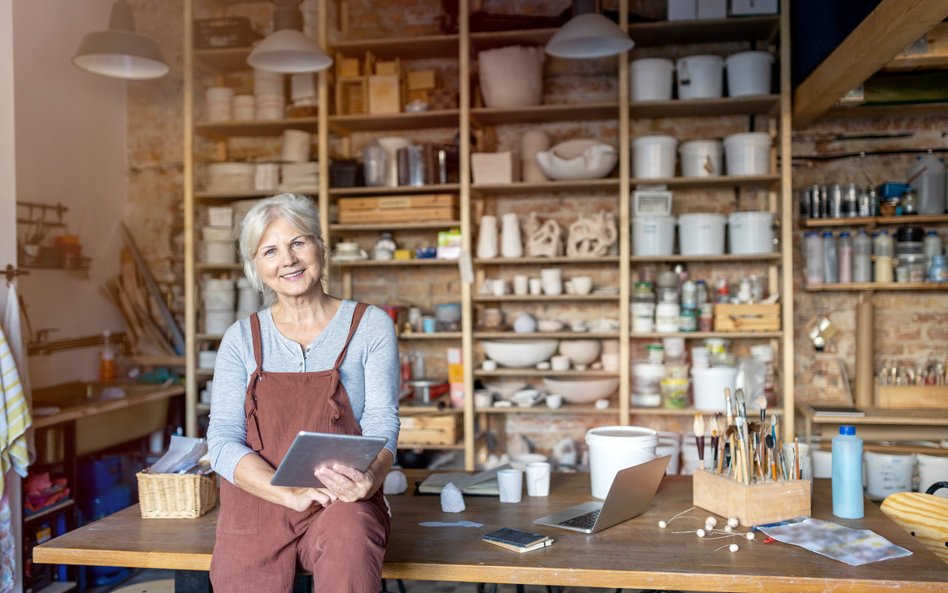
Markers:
100,474
103,504
847,474
893,189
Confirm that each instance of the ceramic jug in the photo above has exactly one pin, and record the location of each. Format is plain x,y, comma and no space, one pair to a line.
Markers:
511,244
487,238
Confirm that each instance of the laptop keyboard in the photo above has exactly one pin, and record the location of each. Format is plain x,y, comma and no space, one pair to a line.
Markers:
584,521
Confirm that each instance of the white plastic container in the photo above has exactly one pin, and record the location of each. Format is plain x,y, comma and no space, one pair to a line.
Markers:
822,463
931,469
651,79
219,252
747,153
643,317
653,235
667,317
700,77
613,448
701,234
217,234
750,232
217,321
219,294
654,156
669,443
888,473
748,73
709,384
701,158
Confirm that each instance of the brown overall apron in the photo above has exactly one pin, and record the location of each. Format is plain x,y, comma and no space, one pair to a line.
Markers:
260,544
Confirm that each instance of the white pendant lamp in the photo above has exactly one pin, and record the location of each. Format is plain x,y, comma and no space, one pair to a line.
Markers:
588,35
287,50
120,52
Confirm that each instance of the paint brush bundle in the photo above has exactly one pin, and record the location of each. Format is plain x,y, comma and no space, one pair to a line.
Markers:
749,477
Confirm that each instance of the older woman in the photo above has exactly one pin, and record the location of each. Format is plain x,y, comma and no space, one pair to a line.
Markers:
309,361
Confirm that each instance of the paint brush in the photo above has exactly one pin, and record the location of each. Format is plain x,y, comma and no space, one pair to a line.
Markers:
698,426
769,439
796,458
715,431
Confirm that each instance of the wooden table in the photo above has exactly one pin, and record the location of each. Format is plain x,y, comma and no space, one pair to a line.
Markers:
636,554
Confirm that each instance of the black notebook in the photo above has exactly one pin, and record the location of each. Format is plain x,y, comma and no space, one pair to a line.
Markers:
516,539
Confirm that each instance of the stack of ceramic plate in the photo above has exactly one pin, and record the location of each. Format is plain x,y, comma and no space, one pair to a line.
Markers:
300,177
296,147
230,177
244,107
303,90
217,103
267,177
268,89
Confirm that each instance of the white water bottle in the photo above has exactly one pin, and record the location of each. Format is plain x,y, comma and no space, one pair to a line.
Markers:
830,265
813,250
862,257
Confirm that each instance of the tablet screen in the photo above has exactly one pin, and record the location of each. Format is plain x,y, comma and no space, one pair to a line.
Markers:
312,450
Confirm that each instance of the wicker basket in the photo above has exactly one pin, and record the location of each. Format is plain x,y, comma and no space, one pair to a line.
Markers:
176,496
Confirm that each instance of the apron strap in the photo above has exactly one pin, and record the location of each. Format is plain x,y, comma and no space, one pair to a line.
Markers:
356,319
257,342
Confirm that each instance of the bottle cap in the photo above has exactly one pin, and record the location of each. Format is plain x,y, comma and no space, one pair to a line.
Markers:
844,234
827,233
847,430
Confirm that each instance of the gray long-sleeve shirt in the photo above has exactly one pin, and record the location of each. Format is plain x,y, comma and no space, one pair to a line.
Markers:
370,374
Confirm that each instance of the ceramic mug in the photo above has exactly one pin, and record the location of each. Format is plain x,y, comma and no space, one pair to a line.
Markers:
520,284
582,284
560,363
510,482
538,478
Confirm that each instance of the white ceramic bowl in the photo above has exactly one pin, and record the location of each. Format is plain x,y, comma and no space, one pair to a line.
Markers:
581,351
578,159
504,388
520,353
582,390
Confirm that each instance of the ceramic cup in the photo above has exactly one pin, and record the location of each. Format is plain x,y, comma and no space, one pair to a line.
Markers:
483,399
536,286
428,324
538,478
582,284
560,363
510,482
610,361
520,284
499,287
552,279
554,400
489,365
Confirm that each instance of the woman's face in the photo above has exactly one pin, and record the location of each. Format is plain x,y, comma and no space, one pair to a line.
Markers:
288,260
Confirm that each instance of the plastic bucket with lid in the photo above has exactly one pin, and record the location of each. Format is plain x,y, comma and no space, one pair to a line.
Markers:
709,384
654,156
750,232
653,235
669,443
747,153
701,158
650,79
700,77
748,73
701,234
888,473
614,448
931,469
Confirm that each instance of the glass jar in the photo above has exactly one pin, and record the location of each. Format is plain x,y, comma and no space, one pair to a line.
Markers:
909,203
674,393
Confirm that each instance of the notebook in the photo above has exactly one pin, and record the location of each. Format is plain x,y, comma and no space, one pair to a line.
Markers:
516,539
484,483
631,492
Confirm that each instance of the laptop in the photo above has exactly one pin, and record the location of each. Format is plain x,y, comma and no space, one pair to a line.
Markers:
631,492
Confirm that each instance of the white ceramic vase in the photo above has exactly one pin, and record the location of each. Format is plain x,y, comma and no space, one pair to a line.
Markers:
511,243
532,142
487,238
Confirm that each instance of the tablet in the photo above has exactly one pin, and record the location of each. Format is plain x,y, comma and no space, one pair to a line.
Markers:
311,450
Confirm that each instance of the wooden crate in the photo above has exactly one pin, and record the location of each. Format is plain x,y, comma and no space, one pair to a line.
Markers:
741,318
908,397
398,202
752,504
433,213
443,429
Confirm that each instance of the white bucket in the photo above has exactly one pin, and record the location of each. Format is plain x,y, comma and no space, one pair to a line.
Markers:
219,298
709,384
654,156
219,252
669,443
750,232
822,463
701,234
700,77
748,73
650,79
613,448
701,158
931,469
217,321
747,153
653,235
887,474
689,455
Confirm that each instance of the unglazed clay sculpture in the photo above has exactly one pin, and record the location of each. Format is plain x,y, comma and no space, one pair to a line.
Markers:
592,236
543,240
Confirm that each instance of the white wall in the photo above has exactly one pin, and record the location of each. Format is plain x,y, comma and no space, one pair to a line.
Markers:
70,148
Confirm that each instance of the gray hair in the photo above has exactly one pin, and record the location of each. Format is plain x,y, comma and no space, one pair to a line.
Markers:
297,210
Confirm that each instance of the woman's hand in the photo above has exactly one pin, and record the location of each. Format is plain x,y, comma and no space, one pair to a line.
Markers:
346,483
301,499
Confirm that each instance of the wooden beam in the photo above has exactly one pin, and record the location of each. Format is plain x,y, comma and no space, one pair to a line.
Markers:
888,29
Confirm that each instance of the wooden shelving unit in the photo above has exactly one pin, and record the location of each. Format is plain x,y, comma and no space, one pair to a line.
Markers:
872,221
878,286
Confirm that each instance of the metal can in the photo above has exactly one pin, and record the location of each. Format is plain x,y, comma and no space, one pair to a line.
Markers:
816,206
850,200
834,197
864,206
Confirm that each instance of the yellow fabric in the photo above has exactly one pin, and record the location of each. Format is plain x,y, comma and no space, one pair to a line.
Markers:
15,419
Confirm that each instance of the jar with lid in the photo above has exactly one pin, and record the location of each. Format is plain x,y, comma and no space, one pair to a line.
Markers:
701,291
938,271
830,265
722,291
688,320
845,258
813,254
932,245
643,308
909,240
689,294
864,208
862,257
705,317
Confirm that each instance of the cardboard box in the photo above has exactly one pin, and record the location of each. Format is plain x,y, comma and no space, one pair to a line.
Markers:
422,80
220,216
384,94
399,202
740,318
754,7
395,215
495,167
752,504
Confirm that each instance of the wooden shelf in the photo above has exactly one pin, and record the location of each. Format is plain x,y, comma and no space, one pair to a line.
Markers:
917,62
659,411
542,299
552,261
564,335
725,258
407,409
395,226
876,221
395,263
899,110
706,335
204,373
878,286
388,191
529,372
406,48
59,506
757,104
882,417
490,116
578,185
721,181
269,127
208,196
58,587
419,336
347,124
541,408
